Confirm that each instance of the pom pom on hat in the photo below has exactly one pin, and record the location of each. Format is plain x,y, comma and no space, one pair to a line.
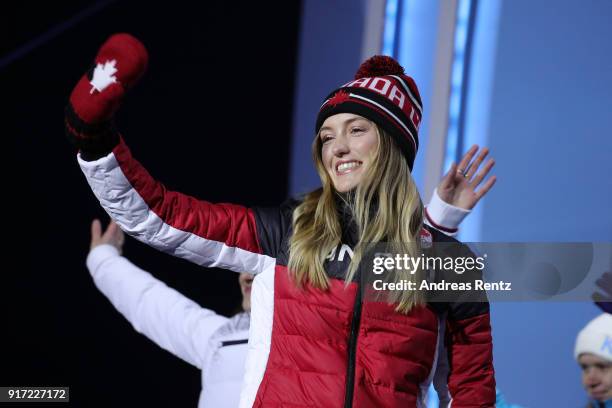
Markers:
379,65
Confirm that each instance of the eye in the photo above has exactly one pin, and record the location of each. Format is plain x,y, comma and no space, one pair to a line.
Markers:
326,138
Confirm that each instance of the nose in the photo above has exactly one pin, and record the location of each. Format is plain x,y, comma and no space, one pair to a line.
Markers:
340,147
591,378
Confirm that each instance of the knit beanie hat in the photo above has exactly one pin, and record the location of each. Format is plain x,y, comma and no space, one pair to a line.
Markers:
384,94
596,338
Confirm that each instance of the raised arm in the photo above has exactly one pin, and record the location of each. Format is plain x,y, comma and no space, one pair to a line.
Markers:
213,235
166,317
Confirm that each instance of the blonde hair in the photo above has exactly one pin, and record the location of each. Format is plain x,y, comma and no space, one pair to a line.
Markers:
317,231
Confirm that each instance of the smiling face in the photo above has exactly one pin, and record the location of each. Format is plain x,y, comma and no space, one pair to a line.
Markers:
246,280
596,376
348,146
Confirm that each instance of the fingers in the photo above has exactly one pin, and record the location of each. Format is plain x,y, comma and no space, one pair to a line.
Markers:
96,232
447,180
113,232
114,235
96,229
476,164
118,235
110,232
467,158
483,173
485,188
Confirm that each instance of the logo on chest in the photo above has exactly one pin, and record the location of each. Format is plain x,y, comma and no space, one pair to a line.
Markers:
340,253
338,261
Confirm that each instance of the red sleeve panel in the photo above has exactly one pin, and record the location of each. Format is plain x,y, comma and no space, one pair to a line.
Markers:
472,378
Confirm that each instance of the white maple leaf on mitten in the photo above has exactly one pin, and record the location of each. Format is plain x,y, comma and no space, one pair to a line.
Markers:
103,76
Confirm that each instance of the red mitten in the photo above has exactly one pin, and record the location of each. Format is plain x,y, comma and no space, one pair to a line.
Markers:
120,62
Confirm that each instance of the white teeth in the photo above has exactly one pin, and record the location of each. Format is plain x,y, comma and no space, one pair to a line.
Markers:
349,165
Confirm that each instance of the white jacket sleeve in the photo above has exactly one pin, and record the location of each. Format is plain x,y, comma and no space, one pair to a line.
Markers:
443,216
169,319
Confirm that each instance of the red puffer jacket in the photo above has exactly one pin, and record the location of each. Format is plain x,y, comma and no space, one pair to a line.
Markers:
307,347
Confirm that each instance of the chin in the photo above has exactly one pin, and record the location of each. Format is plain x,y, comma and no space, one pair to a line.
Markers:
342,189
345,186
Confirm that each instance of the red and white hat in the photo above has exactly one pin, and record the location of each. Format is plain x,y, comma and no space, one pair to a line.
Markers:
384,94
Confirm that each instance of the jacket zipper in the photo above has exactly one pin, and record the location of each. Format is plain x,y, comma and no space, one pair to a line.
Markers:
352,348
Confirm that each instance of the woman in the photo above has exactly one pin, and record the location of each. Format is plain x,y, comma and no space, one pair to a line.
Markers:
215,344
313,342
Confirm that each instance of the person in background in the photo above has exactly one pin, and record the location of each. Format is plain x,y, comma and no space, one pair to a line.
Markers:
593,352
215,344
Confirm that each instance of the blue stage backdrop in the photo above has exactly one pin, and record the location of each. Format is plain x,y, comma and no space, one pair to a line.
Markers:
548,126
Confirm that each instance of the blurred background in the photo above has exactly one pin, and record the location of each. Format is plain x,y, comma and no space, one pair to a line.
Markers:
226,113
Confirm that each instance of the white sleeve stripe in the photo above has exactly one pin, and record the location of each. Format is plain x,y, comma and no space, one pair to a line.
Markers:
125,205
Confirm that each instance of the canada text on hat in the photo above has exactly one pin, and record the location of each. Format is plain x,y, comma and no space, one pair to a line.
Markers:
387,87
596,338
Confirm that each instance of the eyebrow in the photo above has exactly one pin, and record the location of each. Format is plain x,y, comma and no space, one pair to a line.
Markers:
598,364
348,122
